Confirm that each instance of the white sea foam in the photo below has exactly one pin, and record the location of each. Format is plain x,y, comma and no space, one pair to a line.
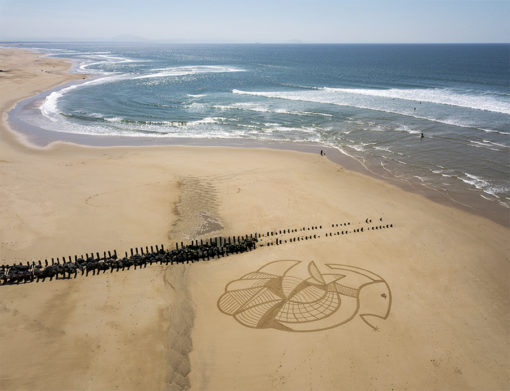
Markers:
484,185
188,70
266,109
442,96
114,119
407,129
484,144
376,128
356,147
49,107
474,180
381,100
386,149
103,59
196,107
447,173
495,131
154,125
174,129
204,121
289,132
496,144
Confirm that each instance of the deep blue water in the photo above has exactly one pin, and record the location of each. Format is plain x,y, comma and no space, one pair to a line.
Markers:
371,102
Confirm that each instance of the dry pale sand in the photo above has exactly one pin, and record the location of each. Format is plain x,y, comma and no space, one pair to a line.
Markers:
161,328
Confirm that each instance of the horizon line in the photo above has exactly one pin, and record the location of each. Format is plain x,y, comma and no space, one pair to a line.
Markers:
148,41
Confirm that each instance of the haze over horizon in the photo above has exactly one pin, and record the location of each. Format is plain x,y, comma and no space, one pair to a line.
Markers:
264,21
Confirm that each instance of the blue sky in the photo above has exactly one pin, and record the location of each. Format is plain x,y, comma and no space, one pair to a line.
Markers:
328,21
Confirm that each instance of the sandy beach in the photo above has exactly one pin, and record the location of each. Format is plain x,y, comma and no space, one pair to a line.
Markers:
442,324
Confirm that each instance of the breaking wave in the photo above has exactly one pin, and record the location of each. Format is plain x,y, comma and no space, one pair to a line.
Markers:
188,70
49,108
353,97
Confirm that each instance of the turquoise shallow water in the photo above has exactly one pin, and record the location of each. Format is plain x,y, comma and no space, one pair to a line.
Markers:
371,102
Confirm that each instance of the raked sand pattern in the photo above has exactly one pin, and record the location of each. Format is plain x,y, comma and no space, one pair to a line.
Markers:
285,295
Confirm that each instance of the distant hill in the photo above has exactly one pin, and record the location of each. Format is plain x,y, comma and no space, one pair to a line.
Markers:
127,38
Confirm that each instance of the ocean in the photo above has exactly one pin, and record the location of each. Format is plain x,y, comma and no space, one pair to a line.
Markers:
369,102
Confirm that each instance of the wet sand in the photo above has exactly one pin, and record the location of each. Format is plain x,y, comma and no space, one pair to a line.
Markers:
162,327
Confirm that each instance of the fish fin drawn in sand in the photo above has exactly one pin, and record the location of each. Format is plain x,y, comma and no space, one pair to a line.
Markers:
293,295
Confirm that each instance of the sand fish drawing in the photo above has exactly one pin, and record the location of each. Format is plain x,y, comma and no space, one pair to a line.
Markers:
294,295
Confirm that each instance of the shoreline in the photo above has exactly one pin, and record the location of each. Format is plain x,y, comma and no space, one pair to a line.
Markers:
161,328
40,138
